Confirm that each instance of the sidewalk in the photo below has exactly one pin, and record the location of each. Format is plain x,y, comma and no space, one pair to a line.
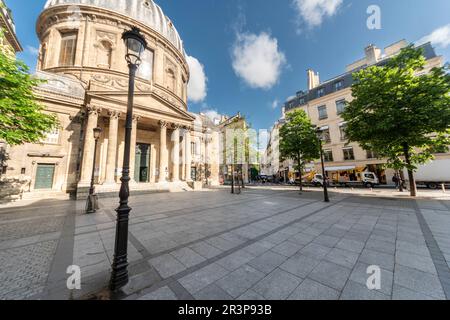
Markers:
267,243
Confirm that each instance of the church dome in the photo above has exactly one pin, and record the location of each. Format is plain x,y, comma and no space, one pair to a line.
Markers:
144,11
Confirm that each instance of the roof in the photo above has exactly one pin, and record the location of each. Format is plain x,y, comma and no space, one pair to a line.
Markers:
346,80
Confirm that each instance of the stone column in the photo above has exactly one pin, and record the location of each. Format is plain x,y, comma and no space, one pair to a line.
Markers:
162,151
176,154
187,154
89,144
208,141
112,147
133,147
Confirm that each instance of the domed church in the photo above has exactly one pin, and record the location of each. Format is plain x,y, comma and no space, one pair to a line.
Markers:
82,59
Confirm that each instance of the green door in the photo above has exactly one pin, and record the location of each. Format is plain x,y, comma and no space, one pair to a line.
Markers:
44,176
137,164
142,163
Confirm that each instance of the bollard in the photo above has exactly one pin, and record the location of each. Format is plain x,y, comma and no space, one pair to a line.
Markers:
443,188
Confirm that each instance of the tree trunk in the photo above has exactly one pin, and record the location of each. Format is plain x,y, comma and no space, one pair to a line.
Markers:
300,173
400,180
412,181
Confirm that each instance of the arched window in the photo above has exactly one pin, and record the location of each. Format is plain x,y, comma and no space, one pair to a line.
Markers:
104,54
171,80
184,88
43,55
145,70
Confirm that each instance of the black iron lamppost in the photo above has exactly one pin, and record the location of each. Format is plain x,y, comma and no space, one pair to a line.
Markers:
92,200
136,45
324,174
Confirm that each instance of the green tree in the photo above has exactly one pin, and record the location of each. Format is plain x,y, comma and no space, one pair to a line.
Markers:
399,113
298,141
21,117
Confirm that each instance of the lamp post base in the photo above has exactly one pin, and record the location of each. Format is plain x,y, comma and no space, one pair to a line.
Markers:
92,204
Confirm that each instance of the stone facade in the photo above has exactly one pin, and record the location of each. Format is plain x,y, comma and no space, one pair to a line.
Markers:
8,39
82,57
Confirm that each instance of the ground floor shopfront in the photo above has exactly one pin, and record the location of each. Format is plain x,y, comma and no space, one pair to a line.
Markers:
338,172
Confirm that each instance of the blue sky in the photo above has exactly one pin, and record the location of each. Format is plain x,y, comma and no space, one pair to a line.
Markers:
254,53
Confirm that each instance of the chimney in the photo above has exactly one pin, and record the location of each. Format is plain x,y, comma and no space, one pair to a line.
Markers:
373,54
313,79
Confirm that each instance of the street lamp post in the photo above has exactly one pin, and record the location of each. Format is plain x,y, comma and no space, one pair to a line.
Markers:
92,200
324,176
136,45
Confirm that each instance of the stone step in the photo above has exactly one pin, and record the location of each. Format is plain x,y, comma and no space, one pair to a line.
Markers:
111,191
59,195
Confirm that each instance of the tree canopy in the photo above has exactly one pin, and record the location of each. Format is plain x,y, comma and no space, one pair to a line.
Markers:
400,111
298,140
21,117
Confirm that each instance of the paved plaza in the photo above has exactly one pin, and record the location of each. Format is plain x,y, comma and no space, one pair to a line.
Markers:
266,243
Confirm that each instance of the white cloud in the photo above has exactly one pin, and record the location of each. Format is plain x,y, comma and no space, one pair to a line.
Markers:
213,115
33,51
197,89
275,103
313,12
257,59
439,37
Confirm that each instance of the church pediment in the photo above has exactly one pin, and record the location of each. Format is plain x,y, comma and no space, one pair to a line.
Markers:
149,101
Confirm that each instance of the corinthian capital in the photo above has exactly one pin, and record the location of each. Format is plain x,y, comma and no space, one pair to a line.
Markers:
162,124
114,114
93,110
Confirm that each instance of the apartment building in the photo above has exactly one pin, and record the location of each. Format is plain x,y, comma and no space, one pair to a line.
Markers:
324,102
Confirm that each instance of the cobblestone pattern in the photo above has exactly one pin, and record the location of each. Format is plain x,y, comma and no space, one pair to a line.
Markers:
24,270
28,228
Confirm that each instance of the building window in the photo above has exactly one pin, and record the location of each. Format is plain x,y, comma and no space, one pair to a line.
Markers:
43,55
68,49
323,114
339,85
340,106
52,137
320,92
145,70
328,156
372,155
3,169
104,54
171,80
326,137
342,128
193,148
348,154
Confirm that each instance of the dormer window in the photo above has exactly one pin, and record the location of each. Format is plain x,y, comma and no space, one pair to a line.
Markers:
338,85
320,92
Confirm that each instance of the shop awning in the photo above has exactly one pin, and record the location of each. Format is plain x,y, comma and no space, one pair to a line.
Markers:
340,168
